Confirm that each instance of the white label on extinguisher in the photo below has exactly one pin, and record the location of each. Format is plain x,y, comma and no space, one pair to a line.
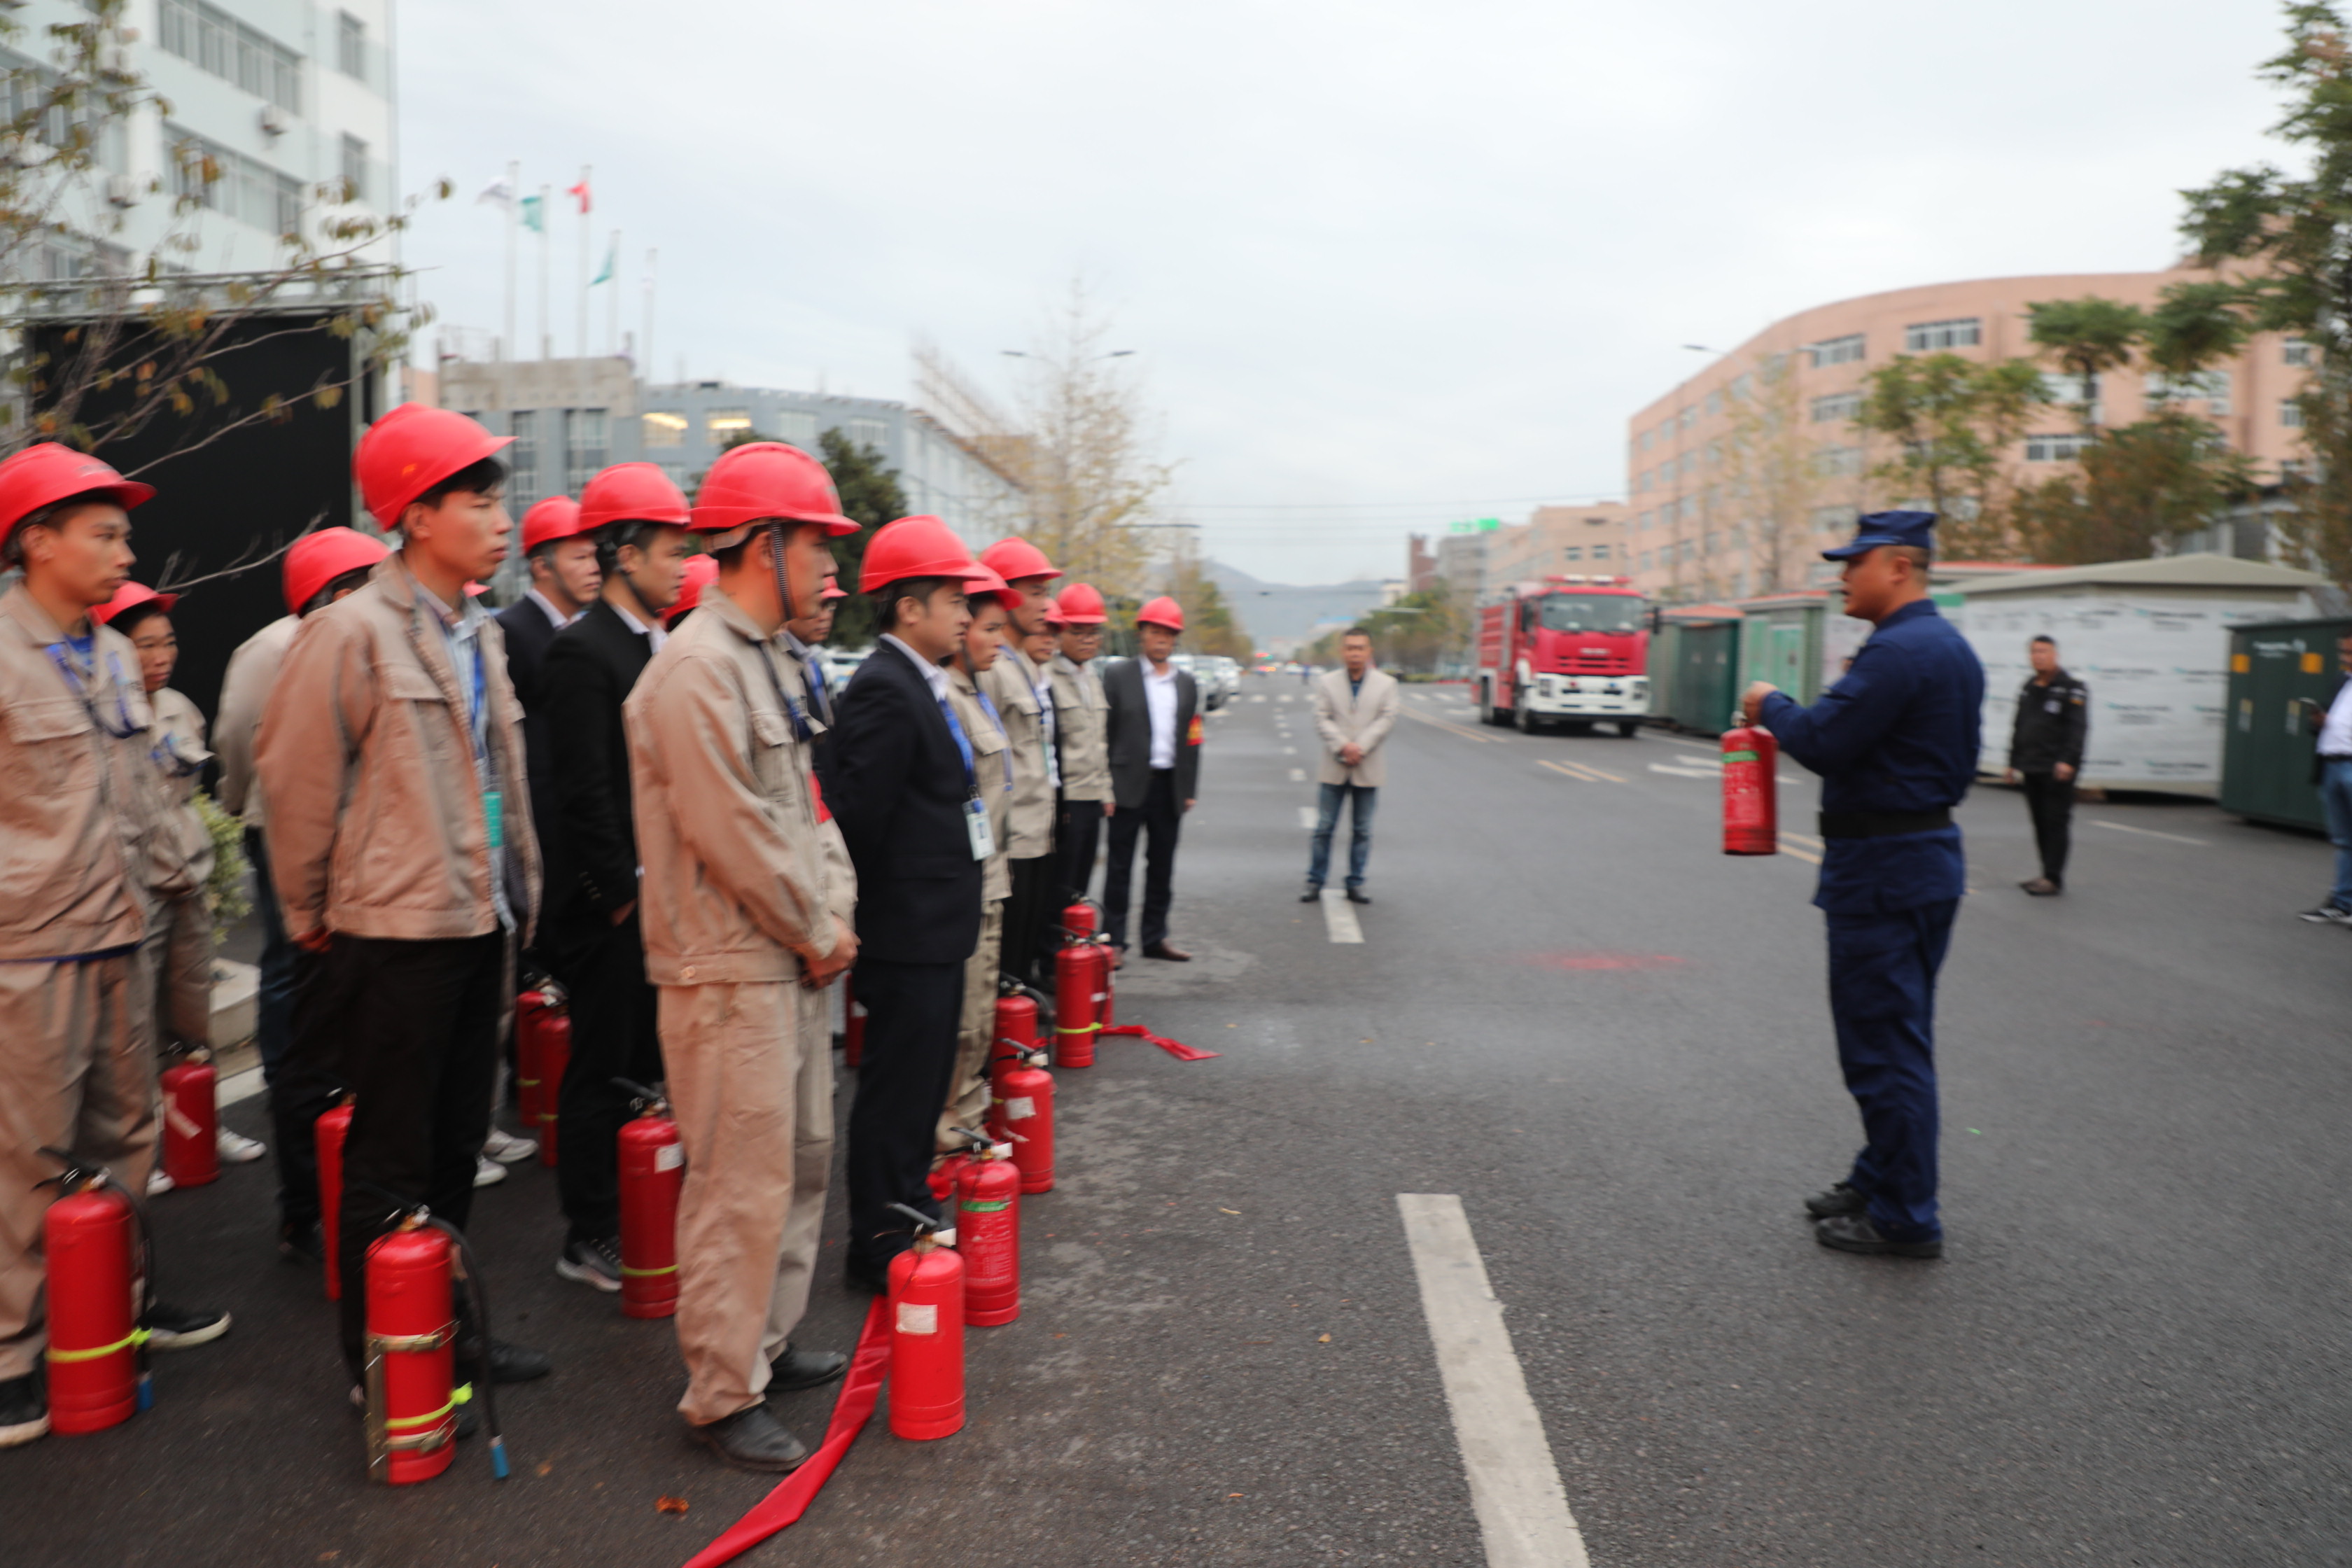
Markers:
669,1156
1098,996
1020,1108
180,1120
916,1319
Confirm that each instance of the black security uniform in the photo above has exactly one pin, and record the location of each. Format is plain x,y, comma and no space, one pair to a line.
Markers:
2052,721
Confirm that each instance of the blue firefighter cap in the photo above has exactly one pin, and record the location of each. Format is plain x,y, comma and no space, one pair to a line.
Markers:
1916,529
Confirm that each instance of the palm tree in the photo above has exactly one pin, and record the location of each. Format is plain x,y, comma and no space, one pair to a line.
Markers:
2089,336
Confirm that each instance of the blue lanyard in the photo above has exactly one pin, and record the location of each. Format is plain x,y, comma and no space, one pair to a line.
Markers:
1006,755
79,686
964,745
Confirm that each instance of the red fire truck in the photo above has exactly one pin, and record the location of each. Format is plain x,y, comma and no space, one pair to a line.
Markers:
1567,650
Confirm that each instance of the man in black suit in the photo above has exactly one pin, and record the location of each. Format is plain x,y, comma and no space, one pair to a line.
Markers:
563,583
591,937
1154,740
900,779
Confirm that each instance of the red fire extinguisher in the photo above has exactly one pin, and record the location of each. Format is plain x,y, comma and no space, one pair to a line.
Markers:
926,1336
554,1058
1075,990
95,1243
944,1173
988,1234
1021,1109
653,1169
411,1358
1751,799
853,1029
331,1127
191,1122
532,1009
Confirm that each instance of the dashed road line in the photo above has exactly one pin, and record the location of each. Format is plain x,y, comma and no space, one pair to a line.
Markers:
1673,772
2152,833
1453,729
1804,855
1515,1490
1289,751
1306,817
1339,916
1298,776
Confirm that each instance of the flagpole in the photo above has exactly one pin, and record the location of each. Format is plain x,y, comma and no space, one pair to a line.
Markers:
585,199
512,350
613,300
546,272
651,257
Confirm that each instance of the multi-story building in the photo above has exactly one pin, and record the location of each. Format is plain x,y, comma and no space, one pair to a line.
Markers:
1577,541
291,102
1739,475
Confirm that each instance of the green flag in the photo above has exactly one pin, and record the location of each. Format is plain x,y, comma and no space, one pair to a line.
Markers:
534,214
612,264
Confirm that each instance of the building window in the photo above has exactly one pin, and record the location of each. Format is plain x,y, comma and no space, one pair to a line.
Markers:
585,446
1713,403
355,169
2291,412
729,423
1601,552
1836,408
239,188
874,433
351,44
1928,337
1836,350
1835,519
217,43
522,459
2295,351
1742,385
1837,462
2210,386
797,426
1690,417
2055,448
663,429
1714,453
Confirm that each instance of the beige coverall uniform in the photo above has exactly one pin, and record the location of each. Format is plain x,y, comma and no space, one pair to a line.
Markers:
991,771
1082,714
739,869
180,929
84,844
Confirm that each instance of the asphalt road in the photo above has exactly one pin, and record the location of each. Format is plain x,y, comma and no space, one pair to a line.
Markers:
1612,1043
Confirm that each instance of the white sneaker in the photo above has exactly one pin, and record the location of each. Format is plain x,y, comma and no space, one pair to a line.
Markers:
240,1150
488,1173
508,1149
157,1184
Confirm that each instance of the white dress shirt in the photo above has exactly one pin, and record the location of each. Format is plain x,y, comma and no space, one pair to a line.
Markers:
933,676
1159,697
2336,735
546,606
655,635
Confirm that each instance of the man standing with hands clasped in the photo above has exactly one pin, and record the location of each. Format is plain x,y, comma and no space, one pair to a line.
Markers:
2045,752
1355,708
1895,744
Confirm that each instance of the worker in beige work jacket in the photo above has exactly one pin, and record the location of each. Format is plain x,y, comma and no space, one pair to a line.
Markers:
89,846
990,600
746,904
1023,696
1081,717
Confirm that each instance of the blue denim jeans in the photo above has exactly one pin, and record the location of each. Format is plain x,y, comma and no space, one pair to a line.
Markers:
2335,797
1359,823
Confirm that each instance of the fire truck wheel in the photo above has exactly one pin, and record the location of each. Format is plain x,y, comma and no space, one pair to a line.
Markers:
1528,723
1627,729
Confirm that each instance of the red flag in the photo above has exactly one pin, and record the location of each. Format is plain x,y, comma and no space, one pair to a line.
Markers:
580,190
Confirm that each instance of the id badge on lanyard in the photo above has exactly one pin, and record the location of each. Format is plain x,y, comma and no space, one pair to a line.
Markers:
975,821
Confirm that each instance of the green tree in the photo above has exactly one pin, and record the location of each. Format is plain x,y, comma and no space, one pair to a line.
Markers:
869,495
2290,232
2089,336
1210,625
1952,421
2166,475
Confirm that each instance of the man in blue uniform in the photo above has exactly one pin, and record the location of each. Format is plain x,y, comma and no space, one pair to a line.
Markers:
1895,744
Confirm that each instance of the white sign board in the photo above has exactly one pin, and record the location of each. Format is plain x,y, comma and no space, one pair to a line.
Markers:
2157,664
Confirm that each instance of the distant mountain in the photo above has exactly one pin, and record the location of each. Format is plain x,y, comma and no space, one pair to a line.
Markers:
1289,613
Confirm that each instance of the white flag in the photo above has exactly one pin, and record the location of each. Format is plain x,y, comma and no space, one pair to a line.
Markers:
500,192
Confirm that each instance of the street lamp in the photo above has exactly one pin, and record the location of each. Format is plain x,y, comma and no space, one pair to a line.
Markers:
1024,353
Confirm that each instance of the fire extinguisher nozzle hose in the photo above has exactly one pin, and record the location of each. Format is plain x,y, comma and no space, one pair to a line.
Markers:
479,1294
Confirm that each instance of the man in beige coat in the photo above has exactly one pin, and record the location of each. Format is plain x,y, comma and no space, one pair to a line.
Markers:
748,904
88,844
1355,708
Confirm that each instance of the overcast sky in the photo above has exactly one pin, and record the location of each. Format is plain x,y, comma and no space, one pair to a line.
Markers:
1383,265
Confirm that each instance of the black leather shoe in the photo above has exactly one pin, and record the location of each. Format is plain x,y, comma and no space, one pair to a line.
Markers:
1357,896
867,1279
1313,894
512,1363
798,1369
752,1439
300,1241
1171,953
1840,1199
1855,1232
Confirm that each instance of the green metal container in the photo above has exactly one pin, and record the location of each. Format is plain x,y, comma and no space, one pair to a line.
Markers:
1700,662
1782,642
2275,667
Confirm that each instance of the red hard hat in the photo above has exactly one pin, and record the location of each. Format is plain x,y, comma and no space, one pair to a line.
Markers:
1053,621
1162,610
413,448
701,572
557,516
762,479
47,473
1081,605
129,596
632,492
988,581
317,559
833,590
1014,559
913,547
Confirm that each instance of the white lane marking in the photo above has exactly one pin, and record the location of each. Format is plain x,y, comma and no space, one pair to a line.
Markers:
1289,751
1514,1485
1672,772
1306,817
1339,916
1298,776
2152,833
1287,696
1805,838
238,1086
1259,698
1805,854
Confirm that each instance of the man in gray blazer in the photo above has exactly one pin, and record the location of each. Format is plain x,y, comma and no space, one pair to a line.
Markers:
1355,708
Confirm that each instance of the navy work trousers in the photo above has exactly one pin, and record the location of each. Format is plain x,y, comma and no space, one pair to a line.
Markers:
1883,999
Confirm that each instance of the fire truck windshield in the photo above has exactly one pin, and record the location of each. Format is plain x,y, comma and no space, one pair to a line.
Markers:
1590,613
